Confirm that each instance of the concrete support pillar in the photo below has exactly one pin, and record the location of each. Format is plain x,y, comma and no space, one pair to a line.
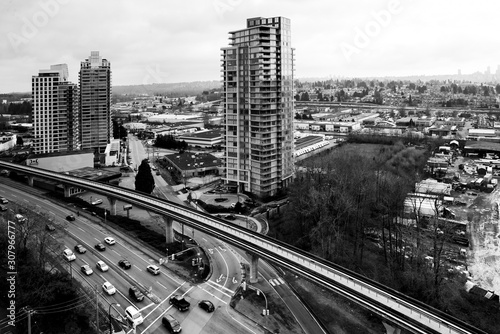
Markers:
66,190
30,181
112,203
169,230
254,268
391,329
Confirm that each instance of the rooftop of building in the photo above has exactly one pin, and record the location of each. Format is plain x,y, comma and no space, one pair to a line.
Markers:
60,154
93,174
210,134
191,160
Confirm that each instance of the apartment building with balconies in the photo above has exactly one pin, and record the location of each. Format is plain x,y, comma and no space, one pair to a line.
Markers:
257,98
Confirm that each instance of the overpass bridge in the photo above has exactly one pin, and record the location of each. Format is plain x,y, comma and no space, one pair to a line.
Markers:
394,307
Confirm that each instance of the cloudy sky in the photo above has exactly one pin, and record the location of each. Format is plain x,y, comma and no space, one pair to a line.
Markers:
156,41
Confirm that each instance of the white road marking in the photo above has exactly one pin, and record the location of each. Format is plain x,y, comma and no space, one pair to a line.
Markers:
282,281
211,294
137,267
218,286
116,252
163,286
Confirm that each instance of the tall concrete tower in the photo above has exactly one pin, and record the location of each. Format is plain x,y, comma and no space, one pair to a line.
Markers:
257,71
95,103
55,111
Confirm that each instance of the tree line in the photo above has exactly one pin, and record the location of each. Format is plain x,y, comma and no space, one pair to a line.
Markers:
345,197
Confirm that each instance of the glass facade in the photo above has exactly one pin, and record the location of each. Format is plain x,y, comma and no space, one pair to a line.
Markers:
257,73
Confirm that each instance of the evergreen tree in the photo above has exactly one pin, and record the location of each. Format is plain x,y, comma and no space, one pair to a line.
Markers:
144,181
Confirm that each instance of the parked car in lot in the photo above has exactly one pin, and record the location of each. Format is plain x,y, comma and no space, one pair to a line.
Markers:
171,324
80,249
135,294
125,264
100,247
108,288
102,266
153,269
87,270
206,305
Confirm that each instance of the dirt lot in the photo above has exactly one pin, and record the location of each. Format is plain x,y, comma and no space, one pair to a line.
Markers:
481,213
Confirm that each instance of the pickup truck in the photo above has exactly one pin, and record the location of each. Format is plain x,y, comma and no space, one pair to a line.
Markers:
180,303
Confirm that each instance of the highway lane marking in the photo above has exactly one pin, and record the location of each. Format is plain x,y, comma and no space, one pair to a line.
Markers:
137,267
81,229
161,315
225,263
204,239
217,286
116,252
52,213
222,249
24,199
14,196
162,285
211,294
282,281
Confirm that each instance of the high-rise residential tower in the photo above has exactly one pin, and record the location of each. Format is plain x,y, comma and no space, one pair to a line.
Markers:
95,102
257,72
55,111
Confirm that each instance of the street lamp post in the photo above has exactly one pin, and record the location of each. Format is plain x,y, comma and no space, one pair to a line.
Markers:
105,212
109,314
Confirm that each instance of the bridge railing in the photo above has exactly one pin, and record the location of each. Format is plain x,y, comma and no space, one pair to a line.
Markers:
410,313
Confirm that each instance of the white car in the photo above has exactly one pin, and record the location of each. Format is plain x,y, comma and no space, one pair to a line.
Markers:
87,270
153,269
69,255
97,201
134,316
109,241
108,288
102,266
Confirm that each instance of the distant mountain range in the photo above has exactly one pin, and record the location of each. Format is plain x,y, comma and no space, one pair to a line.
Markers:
169,89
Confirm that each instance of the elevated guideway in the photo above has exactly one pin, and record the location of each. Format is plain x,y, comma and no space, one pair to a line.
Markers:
393,306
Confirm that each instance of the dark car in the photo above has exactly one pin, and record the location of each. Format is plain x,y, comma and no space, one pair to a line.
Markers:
171,324
230,217
50,227
100,247
135,293
80,249
206,305
70,218
125,264
180,303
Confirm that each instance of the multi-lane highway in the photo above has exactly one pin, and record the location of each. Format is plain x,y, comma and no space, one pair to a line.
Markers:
157,289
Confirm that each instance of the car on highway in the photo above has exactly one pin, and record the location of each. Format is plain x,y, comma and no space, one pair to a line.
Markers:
69,255
153,269
97,201
70,218
80,249
108,288
109,241
125,264
3,200
230,217
134,316
180,303
158,172
102,266
87,270
100,247
171,324
135,294
206,305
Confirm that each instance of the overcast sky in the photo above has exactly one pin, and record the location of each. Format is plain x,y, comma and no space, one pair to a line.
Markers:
157,41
